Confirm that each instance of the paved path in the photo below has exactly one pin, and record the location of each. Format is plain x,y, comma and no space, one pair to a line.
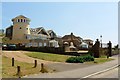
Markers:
78,73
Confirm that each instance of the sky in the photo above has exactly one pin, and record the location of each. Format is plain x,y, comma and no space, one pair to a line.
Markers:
84,19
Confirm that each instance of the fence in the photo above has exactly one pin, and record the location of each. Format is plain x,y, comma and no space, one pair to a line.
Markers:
59,50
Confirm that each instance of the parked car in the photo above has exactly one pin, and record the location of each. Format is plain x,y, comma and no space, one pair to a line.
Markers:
11,47
4,46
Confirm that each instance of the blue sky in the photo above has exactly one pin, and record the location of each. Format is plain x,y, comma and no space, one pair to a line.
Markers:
84,19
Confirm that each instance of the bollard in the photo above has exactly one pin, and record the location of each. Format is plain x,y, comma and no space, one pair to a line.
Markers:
12,61
107,55
35,65
42,68
18,71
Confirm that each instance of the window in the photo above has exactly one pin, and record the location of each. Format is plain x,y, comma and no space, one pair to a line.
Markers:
26,37
35,44
27,28
20,28
24,20
18,20
45,44
30,44
40,44
21,20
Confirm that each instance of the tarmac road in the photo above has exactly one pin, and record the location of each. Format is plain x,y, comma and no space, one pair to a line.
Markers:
78,73
109,74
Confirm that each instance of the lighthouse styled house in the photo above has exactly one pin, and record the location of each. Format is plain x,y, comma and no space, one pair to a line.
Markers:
21,33
18,31
20,27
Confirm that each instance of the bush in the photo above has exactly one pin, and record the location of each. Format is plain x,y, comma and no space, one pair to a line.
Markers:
75,60
80,59
88,58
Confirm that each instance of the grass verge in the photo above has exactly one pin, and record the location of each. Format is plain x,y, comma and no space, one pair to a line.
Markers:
48,56
61,58
10,72
102,60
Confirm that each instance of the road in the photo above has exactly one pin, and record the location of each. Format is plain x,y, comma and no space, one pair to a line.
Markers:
64,70
109,74
78,73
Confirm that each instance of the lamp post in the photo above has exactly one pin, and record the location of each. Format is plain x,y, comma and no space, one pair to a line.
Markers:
101,40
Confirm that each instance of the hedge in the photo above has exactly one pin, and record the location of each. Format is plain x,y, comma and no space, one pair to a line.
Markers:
80,59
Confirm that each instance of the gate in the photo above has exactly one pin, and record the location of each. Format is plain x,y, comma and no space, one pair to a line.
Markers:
106,49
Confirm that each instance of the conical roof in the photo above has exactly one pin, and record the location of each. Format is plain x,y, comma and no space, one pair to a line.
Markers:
20,16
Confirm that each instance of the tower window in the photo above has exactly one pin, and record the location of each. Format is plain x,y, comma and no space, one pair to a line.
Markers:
20,28
24,20
21,20
18,20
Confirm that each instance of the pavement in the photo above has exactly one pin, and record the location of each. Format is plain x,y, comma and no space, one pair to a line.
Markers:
83,72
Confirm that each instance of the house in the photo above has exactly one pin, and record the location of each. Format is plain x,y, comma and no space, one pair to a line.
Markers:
18,30
52,34
21,33
89,42
1,31
38,37
84,45
9,32
72,38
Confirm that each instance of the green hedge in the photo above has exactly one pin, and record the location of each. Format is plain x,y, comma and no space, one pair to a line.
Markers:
80,59
75,60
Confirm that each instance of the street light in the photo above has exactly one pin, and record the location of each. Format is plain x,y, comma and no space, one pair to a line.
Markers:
101,40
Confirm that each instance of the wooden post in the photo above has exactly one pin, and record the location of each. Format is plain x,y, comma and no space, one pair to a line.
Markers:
18,71
35,65
12,61
42,68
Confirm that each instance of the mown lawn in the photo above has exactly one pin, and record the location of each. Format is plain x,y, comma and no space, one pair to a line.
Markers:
61,58
10,72
102,59
48,56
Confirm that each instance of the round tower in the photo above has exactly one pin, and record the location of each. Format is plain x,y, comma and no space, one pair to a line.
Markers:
20,27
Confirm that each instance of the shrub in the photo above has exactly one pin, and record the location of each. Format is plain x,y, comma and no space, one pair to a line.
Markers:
75,60
88,58
80,59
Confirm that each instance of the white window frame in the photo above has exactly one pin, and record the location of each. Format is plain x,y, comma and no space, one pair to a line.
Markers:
45,44
40,44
